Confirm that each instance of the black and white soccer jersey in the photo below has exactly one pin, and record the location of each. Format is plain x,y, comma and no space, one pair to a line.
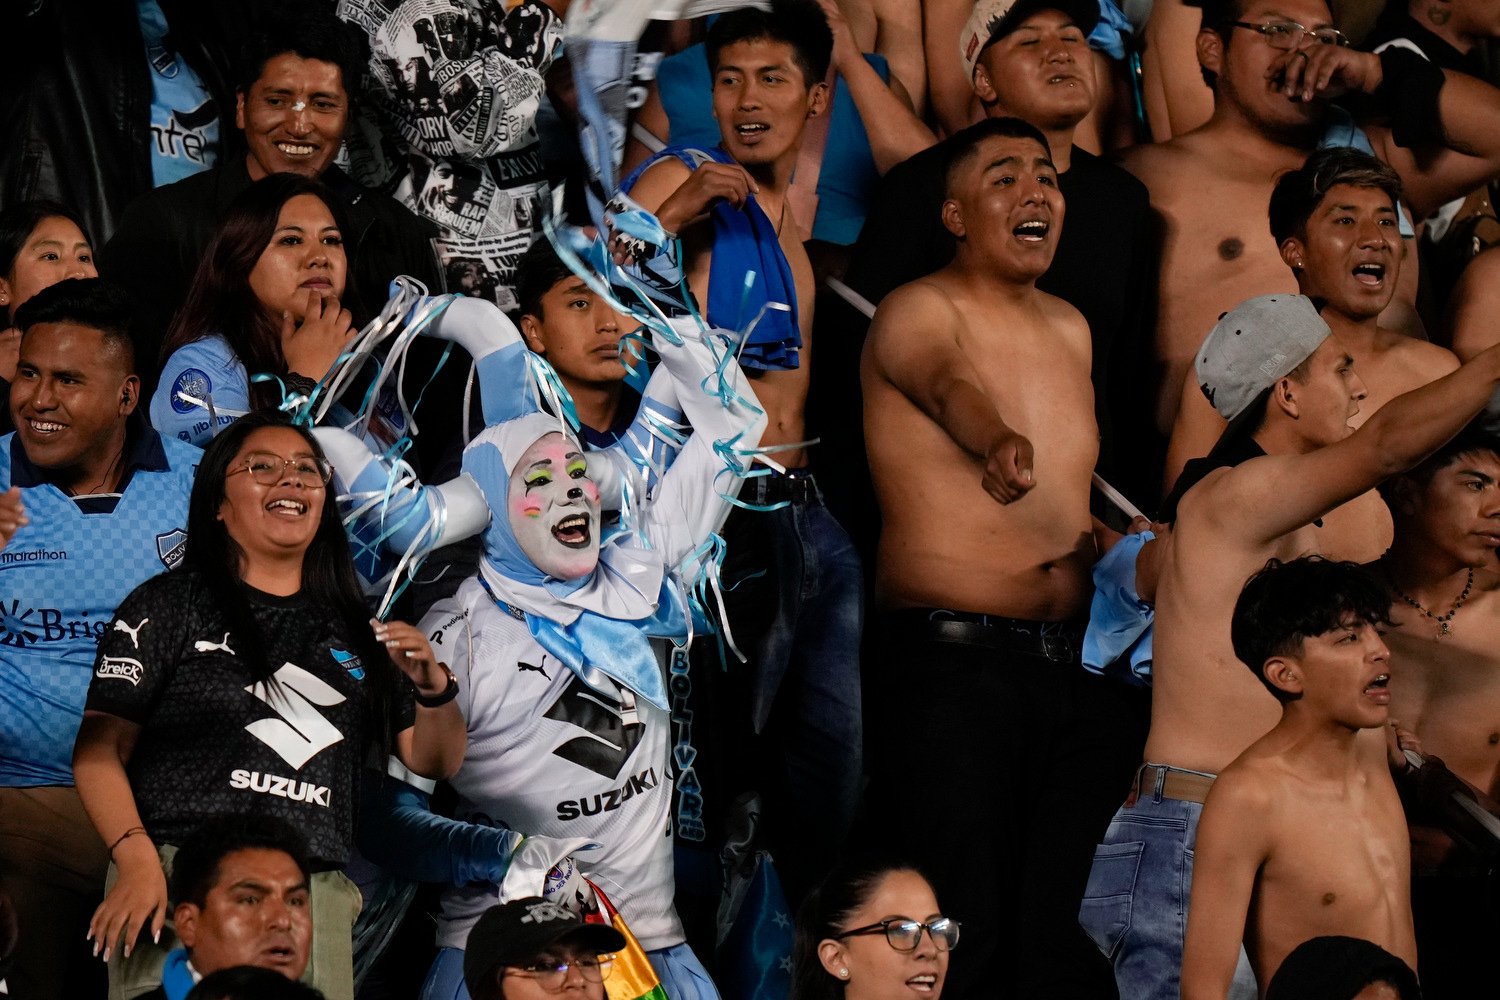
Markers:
214,741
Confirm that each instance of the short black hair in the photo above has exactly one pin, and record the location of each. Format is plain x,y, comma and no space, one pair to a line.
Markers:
539,269
251,982
1298,193
195,868
1287,602
96,303
799,23
1219,17
961,145
1471,440
307,30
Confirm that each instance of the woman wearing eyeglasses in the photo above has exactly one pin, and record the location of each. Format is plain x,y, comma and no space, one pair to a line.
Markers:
871,931
531,949
250,680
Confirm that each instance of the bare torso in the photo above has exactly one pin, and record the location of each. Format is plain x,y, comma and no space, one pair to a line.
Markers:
945,542
1206,706
1447,690
1339,861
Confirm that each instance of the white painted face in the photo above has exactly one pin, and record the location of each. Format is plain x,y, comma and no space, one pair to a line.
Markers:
554,508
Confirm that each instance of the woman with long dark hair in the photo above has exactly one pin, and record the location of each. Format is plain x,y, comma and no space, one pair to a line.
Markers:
250,680
266,300
870,931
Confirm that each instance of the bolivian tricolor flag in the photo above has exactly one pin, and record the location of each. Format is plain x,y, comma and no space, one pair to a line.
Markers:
631,977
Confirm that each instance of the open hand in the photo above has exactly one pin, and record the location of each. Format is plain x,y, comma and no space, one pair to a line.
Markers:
138,898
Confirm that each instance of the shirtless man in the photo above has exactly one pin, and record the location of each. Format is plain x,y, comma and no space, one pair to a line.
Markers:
793,582
1470,323
1445,606
1209,183
1335,219
1303,835
980,429
1289,390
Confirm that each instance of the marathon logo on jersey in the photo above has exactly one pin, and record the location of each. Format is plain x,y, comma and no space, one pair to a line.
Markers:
611,731
349,661
192,383
23,626
34,555
593,805
171,546
283,788
121,668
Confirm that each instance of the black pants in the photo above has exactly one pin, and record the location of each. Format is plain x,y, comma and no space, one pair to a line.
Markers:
997,773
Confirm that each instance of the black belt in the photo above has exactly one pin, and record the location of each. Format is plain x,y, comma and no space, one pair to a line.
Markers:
1059,642
796,487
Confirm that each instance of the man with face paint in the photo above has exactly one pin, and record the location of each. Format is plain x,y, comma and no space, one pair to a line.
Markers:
564,697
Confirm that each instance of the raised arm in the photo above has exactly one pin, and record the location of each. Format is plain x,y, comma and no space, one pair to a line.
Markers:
1266,498
1232,843
913,346
895,131
689,504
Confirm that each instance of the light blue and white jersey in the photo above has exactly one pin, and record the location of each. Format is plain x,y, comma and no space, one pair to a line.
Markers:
203,389
61,577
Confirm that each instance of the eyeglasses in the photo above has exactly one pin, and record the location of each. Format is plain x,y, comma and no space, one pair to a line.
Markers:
268,469
553,976
1288,35
904,935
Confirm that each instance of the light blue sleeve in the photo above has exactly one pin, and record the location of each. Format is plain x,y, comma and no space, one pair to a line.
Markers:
203,388
1120,622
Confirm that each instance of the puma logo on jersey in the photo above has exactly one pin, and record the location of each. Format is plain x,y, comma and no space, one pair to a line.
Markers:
522,665
611,729
134,633
300,731
204,646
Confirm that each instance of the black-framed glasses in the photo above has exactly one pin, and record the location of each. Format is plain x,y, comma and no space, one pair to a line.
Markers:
1288,35
904,934
268,469
553,976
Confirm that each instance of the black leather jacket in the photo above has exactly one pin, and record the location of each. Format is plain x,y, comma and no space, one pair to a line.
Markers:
75,97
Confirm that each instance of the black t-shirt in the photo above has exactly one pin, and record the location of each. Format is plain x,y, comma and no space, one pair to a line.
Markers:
212,741
1105,267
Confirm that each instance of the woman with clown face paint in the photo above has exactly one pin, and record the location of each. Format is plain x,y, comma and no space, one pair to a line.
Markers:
562,691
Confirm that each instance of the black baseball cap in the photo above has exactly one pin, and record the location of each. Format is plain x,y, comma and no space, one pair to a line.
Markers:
516,932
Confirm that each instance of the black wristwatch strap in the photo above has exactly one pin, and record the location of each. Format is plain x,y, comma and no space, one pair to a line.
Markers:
442,697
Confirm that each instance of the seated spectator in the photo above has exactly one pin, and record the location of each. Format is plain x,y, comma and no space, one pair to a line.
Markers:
528,949
1343,968
248,982
1336,219
266,300
240,888
99,503
41,243
293,103
265,616
1446,612
871,929
1273,865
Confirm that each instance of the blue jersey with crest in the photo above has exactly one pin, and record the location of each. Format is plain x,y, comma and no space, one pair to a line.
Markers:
61,577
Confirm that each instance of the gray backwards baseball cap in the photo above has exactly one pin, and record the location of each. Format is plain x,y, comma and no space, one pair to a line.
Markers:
1255,344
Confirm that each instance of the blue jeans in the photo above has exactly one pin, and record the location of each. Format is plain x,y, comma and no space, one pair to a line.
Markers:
794,597
1135,906
680,972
